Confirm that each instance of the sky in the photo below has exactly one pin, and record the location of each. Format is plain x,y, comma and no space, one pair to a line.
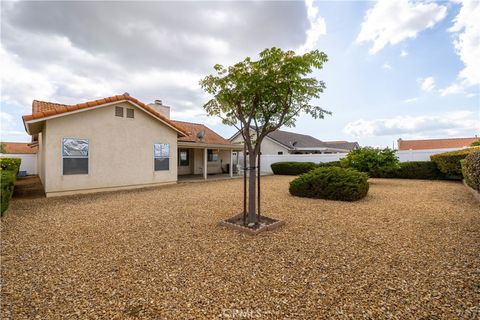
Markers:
396,69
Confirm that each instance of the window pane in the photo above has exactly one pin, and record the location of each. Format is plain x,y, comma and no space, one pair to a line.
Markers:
130,113
161,150
119,111
75,166
162,164
183,156
75,147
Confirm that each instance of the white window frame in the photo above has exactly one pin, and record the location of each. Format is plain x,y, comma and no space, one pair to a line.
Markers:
70,157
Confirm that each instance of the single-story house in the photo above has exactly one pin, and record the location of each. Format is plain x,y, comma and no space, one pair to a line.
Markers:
283,142
120,142
435,143
24,151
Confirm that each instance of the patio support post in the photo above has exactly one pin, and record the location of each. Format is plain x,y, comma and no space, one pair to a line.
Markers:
205,163
231,163
258,185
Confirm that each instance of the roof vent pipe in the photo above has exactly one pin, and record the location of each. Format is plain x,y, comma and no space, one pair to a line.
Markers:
158,102
126,94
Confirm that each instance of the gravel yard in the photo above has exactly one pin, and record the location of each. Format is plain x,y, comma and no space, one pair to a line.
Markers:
410,249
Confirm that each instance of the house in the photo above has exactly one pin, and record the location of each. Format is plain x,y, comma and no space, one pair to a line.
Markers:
283,142
435,143
120,142
24,151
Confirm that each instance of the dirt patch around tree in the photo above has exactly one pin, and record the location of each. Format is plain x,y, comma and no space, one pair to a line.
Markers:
409,250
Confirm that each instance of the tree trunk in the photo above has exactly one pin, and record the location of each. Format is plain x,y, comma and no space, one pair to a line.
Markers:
252,210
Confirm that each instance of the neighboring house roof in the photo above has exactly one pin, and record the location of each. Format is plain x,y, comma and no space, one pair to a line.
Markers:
19,148
435,143
346,145
193,129
295,140
44,110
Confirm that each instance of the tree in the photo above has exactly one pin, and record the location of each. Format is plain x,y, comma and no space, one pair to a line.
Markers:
262,96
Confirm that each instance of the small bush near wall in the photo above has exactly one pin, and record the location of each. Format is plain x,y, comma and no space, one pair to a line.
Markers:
292,168
12,164
449,162
427,170
471,170
331,183
8,174
370,160
329,164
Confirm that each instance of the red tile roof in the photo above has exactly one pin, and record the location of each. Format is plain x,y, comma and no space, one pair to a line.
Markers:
43,109
210,137
435,143
19,147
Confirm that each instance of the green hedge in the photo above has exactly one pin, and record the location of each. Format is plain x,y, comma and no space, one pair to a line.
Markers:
449,162
12,164
471,170
426,170
292,168
331,183
8,174
330,164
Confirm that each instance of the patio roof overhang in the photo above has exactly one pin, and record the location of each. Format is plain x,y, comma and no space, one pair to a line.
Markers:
199,145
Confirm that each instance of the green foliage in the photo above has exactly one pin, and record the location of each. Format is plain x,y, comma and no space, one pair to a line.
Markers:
7,184
292,168
427,170
449,162
2,148
331,183
12,164
471,170
370,160
475,143
271,91
330,164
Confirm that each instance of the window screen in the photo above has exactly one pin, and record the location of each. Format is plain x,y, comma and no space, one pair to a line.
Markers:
119,112
212,156
75,156
161,155
184,158
130,113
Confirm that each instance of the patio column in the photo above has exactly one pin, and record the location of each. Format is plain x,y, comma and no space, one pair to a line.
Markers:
205,164
231,163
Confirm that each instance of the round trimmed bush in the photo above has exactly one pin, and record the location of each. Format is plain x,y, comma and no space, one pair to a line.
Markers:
449,162
331,183
471,170
292,168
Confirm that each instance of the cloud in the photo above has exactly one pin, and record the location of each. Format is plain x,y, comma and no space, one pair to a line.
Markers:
387,66
459,123
403,53
452,89
390,22
426,84
72,51
467,41
318,27
411,100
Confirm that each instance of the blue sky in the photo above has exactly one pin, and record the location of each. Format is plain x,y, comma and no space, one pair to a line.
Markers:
400,69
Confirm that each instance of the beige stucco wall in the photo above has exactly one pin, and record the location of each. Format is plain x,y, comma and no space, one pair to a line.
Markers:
41,154
121,150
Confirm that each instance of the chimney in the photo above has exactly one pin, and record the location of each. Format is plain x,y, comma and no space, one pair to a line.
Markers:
161,108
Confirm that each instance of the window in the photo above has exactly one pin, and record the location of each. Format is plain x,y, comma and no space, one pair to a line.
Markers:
161,155
184,158
118,112
130,113
75,156
212,156
280,152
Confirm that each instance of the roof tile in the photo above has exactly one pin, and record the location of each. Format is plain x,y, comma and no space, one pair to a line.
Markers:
435,143
19,147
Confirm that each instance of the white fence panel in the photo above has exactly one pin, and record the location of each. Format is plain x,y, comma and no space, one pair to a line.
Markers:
29,161
403,156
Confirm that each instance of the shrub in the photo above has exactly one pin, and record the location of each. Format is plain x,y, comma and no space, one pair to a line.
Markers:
292,168
475,143
331,183
12,164
471,170
427,170
370,160
449,162
7,184
329,164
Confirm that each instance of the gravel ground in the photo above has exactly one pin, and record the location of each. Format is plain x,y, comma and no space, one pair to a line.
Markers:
409,250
